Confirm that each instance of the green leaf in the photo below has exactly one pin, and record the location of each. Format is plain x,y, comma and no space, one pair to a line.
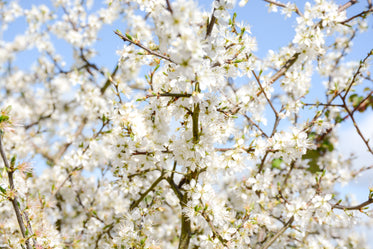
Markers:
129,37
2,190
276,163
4,118
313,156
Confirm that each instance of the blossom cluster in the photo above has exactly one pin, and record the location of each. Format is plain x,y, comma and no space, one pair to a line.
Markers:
191,140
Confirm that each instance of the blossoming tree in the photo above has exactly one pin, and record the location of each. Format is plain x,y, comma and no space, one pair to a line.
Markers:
191,140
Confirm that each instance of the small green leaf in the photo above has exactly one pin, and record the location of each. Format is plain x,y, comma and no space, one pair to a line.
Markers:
4,118
2,190
129,37
276,163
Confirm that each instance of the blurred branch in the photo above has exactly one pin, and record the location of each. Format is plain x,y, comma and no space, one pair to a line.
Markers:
169,6
109,80
357,207
278,234
65,146
361,170
347,5
210,25
296,10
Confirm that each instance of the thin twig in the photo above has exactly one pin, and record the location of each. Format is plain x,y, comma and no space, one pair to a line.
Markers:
151,188
357,73
356,126
357,207
283,70
363,13
213,229
278,234
361,170
322,104
256,125
265,95
124,38
175,95
283,6
109,80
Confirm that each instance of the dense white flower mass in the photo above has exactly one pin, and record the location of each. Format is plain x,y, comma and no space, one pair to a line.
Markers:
191,140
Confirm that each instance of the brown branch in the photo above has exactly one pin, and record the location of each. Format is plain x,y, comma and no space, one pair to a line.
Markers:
363,13
357,207
283,6
186,225
286,67
265,95
169,6
151,188
278,234
42,117
64,147
213,229
13,199
124,38
248,150
359,106
210,25
361,170
175,188
256,125
322,104
357,73
109,80
176,95
347,5
282,71
356,126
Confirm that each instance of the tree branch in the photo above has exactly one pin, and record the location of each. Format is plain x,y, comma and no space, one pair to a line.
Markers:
278,234
175,95
124,38
347,5
169,6
284,6
212,227
143,195
265,95
13,199
357,207
363,13
109,80
210,25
